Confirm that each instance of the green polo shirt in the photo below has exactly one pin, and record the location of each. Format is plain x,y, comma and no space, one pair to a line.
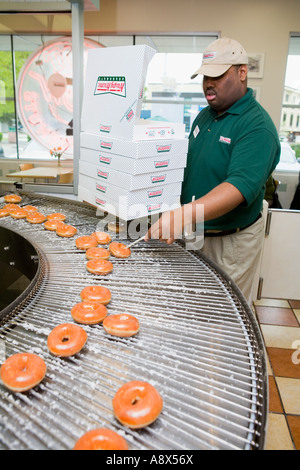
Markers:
241,147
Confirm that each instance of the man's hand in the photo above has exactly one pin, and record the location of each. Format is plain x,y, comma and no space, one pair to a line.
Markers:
170,226
219,201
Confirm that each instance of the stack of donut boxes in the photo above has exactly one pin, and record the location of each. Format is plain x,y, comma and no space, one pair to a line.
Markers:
128,167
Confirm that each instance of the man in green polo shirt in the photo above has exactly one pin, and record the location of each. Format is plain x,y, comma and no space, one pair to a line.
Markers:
233,148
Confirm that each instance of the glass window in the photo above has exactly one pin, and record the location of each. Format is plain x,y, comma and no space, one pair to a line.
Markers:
170,94
33,115
113,41
24,49
289,130
7,104
15,51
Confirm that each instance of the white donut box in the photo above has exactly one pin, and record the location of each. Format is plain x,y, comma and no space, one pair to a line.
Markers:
113,89
128,181
120,208
167,193
131,165
134,149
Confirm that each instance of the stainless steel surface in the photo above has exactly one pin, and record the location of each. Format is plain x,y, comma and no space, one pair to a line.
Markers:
198,344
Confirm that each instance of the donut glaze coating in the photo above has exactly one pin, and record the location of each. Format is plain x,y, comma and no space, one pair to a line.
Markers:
22,371
53,225
103,238
96,294
85,242
10,207
119,250
12,198
18,213
66,340
56,216
137,404
97,253
101,439
67,231
29,209
123,325
36,218
99,266
89,313
4,212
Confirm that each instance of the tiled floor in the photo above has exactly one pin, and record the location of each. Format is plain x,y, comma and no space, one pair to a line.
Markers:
280,325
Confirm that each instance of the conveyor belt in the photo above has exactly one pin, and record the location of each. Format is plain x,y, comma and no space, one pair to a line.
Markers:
199,345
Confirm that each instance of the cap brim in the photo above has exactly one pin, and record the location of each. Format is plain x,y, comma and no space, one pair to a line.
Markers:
210,70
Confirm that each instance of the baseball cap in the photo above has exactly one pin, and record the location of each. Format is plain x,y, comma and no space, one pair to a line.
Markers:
219,56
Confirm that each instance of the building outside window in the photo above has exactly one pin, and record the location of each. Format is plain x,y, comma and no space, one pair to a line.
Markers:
289,127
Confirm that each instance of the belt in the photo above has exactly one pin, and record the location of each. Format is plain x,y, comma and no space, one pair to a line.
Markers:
222,233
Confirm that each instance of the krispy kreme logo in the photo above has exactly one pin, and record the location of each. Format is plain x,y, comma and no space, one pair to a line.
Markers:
158,179
157,193
105,145
209,55
225,140
129,114
102,174
162,164
105,129
101,188
100,202
106,160
114,85
153,207
163,148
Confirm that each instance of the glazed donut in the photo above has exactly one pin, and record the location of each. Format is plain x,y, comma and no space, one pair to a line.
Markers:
12,198
56,216
121,325
22,371
85,242
137,404
18,213
66,340
119,250
97,253
89,313
9,207
98,294
4,213
103,238
99,266
53,225
29,209
36,218
101,439
66,231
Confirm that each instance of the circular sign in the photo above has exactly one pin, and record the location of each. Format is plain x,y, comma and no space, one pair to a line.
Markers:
45,93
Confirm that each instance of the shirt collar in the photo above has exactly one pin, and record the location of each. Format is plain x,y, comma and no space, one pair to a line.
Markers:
239,106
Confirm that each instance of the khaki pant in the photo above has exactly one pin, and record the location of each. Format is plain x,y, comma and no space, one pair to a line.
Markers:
238,254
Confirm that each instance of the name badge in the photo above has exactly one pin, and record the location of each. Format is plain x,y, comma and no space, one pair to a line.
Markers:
196,131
